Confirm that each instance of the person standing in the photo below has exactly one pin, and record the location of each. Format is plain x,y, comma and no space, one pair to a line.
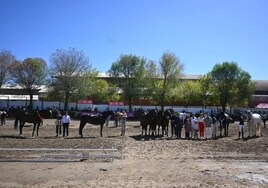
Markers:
214,127
187,126
178,125
207,122
241,126
3,118
58,124
123,122
201,126
116,119
66,120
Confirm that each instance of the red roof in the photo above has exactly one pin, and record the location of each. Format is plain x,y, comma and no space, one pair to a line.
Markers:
262,105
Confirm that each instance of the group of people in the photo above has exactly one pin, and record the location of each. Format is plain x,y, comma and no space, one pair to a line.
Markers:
62,122
120,119
203,127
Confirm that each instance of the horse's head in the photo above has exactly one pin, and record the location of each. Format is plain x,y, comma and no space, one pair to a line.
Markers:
168,113
108,113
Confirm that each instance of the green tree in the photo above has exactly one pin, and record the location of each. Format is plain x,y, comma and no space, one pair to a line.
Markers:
152,83
230,84
30,75
67,70
188,92
6,59
171,70
129,75
96,89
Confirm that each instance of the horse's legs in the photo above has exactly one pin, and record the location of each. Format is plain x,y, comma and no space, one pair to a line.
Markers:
33,129
153,129
82,124
167,130
21,126
172,129
249,125
101,127
220,128
227,129
37,130
258,129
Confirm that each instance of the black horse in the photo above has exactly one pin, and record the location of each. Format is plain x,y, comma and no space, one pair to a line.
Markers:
30,117
148,119
163,121
225,120
98,119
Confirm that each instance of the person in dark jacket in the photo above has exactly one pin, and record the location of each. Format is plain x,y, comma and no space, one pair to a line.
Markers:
58,124
3,118
241,125
178,125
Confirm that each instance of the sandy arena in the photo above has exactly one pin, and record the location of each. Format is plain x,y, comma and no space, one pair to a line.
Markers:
143,161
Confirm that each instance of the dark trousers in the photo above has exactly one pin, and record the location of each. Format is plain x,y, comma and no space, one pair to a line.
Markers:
178,131
58,129
65,129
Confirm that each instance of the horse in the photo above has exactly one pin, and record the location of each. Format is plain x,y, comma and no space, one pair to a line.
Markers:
225,120
148,118
95,119
30,117
163,121
254,122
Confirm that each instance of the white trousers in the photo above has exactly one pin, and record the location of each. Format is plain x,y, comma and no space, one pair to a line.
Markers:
208,132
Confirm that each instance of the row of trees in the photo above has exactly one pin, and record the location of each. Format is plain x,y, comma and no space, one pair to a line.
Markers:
70,77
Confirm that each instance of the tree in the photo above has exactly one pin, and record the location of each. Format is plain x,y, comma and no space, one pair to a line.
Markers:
30,75
96,89
188,92
171,70
230,84
152,78
6,59
131,69
67,69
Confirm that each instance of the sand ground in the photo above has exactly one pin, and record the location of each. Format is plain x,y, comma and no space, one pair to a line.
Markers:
143,161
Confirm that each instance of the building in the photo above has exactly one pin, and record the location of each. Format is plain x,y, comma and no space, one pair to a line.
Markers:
15,94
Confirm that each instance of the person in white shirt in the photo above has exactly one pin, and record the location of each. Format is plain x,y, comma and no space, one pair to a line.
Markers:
66,120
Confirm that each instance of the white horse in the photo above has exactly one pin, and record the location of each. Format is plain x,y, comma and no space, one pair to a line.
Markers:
254,122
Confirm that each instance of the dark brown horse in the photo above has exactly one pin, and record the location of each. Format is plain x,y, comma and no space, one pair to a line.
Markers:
28,117
148,118
163,121
95,119
225,120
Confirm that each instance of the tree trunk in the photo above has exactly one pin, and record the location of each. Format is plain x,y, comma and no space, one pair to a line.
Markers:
31,102
66,101
129,104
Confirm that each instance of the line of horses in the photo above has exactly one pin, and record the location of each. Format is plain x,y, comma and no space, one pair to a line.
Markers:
153,119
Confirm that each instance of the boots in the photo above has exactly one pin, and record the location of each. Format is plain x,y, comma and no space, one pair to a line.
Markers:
239,135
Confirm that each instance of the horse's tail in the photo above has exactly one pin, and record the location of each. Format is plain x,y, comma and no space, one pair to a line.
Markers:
16,123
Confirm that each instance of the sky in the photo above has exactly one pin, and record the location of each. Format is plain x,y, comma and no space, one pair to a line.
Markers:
201,33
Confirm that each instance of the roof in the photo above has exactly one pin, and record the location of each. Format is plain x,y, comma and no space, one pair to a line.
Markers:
262,105
261,85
